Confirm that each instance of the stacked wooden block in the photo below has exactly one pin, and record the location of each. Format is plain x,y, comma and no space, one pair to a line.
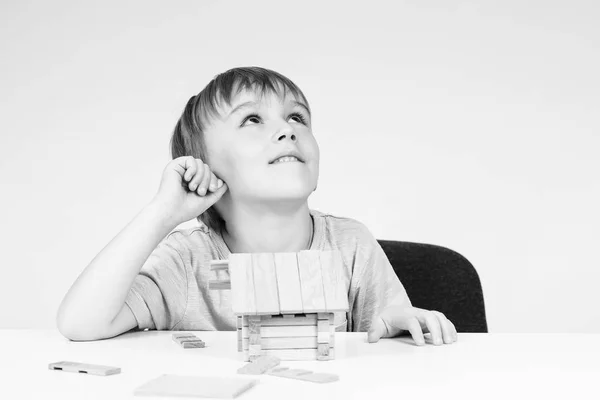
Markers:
288,337
285,302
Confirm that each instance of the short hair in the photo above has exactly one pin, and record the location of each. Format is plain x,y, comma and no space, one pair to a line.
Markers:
188,135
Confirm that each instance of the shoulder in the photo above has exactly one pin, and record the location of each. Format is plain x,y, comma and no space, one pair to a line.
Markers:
343,231
190,242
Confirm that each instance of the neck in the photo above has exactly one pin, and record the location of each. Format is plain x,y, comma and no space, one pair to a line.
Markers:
264,229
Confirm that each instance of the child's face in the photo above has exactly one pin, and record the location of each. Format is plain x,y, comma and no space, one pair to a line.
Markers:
243,143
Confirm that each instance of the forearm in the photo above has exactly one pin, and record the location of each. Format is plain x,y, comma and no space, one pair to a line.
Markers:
99,293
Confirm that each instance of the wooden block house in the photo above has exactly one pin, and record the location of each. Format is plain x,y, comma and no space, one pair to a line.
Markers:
284,302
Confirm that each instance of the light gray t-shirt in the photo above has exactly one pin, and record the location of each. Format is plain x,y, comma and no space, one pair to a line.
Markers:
171,291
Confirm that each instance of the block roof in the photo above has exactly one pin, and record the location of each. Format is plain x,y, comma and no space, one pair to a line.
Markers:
309,281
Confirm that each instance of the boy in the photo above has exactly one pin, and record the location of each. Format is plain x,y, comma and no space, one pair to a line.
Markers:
244,163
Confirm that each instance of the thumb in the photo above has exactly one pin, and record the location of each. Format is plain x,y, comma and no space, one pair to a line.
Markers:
377,331
213,197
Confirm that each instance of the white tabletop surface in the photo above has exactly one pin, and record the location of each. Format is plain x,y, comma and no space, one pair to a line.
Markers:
478,366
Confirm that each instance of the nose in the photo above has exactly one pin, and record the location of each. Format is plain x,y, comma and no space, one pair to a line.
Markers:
287,133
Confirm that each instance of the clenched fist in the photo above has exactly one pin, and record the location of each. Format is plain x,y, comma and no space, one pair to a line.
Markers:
187,189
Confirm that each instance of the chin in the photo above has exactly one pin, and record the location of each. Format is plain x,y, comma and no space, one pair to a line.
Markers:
289,191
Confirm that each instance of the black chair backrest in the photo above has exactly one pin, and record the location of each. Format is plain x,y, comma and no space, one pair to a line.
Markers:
437,278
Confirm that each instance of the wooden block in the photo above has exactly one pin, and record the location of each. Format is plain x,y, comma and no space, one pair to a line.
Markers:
288,283
195,386
92,369
323,329
310,319
242,284
323,325
293,354
311,282
254,329
188,340
222,284
254,349
326,316
254,339
283,331
179,336
323,337
323,352
304,375
254,324
259,366
333,273
193,345
307,342
219,265
265,283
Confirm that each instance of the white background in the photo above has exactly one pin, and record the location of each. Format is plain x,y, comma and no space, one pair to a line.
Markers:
470,125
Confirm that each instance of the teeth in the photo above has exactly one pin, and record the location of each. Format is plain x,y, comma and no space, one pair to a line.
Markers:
285,159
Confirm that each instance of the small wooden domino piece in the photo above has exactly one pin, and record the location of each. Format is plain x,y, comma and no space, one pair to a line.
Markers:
92,369
195,386
188,340
259,365
304,375
218,265
219,284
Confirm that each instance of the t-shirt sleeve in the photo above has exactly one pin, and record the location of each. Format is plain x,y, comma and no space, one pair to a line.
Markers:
158,295
376,284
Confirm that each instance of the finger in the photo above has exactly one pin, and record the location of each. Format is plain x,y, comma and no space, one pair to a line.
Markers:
197,178
212,198
445,327
190,168
377,331
453,330
213,185
434,328
203,186
414,327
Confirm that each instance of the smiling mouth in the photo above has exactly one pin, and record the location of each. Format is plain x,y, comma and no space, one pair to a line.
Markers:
286,159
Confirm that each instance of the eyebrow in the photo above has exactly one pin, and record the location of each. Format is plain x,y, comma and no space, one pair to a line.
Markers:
249,104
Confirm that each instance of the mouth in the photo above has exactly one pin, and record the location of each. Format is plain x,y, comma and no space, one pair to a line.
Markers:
289,156
286,159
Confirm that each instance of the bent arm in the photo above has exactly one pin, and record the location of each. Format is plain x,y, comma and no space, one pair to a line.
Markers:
94,307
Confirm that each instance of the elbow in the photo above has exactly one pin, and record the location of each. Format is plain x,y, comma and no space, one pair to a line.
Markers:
78,333
70,330
77,330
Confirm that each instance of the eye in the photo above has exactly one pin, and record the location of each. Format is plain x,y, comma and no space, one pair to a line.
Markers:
256,118
251,117
300,117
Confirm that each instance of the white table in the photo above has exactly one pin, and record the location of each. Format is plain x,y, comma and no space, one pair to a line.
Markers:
478,366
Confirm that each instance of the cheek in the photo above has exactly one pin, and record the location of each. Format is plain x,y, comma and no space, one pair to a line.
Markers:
313,151
241,163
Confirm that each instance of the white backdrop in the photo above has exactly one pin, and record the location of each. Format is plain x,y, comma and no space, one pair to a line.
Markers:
470,125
